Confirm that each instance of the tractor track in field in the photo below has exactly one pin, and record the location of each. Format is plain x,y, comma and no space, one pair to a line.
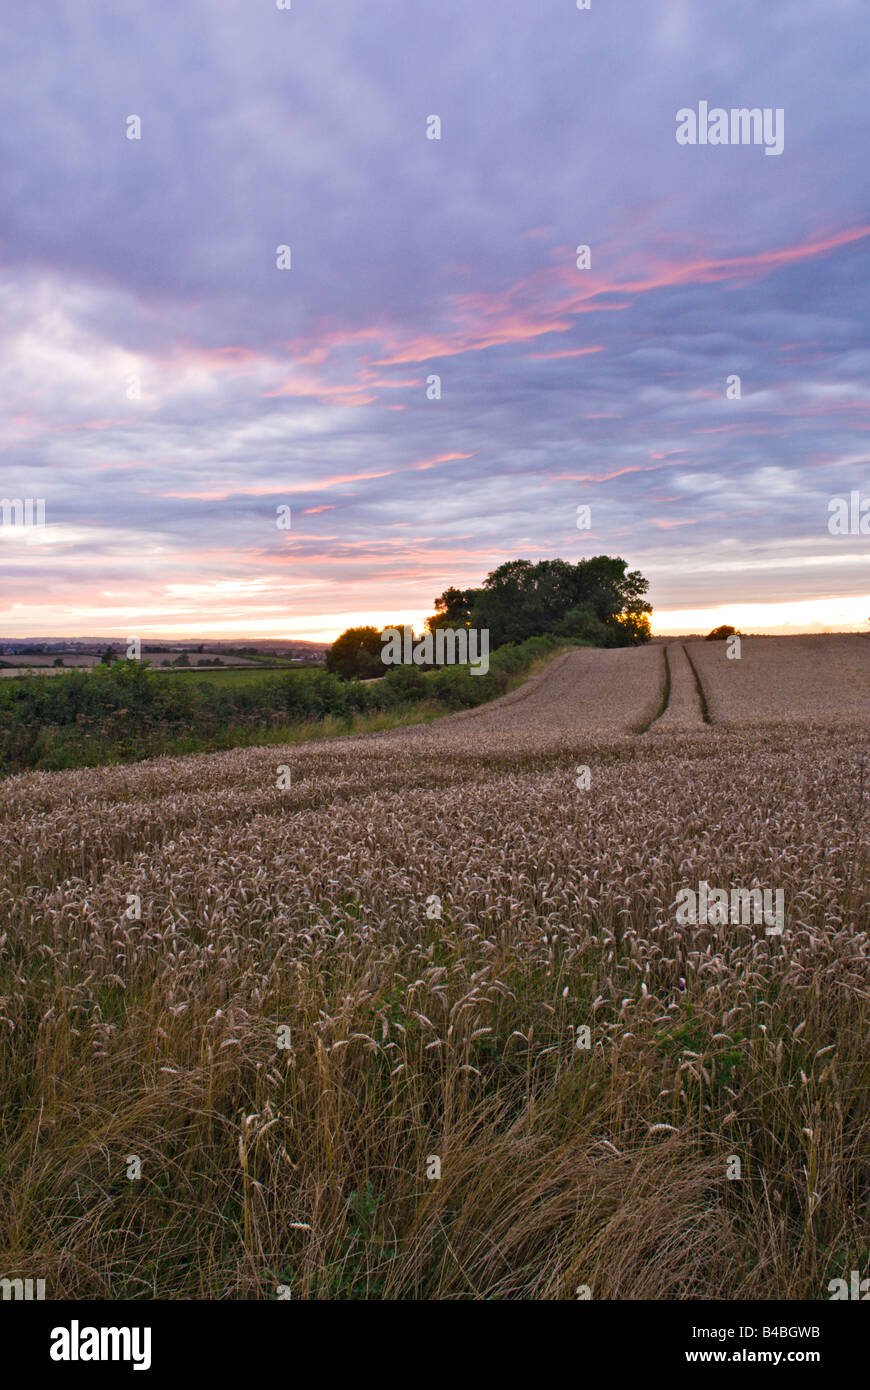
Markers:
684,706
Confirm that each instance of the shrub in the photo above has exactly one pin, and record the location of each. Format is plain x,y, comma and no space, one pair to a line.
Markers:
405,683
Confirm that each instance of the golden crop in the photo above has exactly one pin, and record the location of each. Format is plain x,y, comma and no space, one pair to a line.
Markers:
389,960
819,679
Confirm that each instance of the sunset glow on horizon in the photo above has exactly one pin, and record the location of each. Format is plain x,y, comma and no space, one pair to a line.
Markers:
773,619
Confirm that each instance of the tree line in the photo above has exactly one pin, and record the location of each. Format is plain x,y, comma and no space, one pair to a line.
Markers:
598,602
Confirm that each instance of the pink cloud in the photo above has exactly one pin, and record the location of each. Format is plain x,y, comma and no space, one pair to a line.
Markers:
600,477
565,352
322,391
275,489
440,458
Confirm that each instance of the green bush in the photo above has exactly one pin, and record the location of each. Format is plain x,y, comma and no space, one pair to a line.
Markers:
123,711
402,683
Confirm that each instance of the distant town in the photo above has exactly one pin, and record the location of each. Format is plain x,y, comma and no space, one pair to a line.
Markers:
20,654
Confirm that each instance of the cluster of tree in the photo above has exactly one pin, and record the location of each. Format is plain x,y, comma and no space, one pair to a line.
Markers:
721,634
597,601
356,654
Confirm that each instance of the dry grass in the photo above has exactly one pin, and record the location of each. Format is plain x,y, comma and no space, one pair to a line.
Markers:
413,1035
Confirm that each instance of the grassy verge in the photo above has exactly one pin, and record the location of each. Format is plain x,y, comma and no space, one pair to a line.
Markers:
127,712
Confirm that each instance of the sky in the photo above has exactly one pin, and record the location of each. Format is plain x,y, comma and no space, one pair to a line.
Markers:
170,380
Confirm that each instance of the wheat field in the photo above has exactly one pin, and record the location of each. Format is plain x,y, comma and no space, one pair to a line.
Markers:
421,1021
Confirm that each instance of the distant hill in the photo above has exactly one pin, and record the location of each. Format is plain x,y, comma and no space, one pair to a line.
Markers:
279,646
